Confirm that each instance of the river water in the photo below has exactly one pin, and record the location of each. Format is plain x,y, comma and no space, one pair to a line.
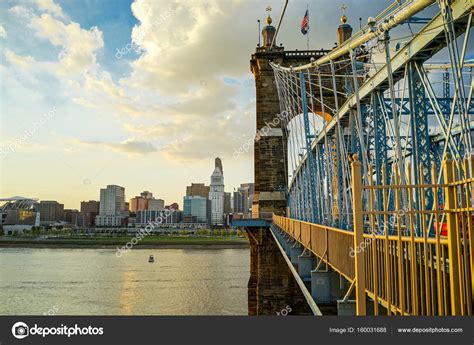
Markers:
97,282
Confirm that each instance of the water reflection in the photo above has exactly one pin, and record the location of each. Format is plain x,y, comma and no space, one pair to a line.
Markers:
96,282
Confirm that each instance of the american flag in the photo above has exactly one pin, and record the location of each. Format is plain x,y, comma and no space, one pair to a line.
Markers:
305,23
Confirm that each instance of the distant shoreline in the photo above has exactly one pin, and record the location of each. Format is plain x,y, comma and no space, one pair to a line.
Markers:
113,243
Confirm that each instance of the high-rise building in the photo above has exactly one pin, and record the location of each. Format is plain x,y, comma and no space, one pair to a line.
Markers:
112,208
198,189
243,199
89,210
50,211
216,194
218,163
146,201
90,206
227,203
156,204
196,209
138,203
112,200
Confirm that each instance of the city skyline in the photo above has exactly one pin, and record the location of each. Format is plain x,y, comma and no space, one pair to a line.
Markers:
128,199
146,116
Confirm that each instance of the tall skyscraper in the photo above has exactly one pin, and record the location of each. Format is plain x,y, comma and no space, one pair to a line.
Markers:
218,163
198,189
112,200
227,203
112,208
243,199
216,194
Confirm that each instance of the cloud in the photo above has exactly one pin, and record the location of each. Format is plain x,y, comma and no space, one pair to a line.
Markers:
20,11
194,43
51,7
177,96
24,62
79,46
189,140
132,146
3,32
128,146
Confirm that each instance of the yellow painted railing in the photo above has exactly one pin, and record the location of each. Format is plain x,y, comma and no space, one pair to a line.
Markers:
408,273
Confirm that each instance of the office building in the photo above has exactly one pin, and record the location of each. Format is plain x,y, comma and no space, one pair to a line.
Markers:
112,207
71,216
216,194
227,203
158,218
50,211
138,203
198,189
243,198
156,204
89,210
196,209
146,201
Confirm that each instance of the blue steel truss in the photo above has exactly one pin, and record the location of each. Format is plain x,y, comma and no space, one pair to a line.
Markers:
364,121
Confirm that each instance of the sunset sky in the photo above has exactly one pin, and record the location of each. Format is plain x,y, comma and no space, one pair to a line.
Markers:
151,118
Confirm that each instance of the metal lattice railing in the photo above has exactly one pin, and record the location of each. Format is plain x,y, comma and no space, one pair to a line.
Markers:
417,260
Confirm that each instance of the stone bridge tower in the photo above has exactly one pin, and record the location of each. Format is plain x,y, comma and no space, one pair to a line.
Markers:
270,152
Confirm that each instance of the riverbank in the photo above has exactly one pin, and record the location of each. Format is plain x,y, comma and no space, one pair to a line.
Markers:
175,242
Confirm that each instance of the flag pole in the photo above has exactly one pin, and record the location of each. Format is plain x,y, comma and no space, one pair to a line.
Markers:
307,36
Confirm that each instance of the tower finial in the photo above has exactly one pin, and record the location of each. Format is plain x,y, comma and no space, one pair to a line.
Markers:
343,17
269,19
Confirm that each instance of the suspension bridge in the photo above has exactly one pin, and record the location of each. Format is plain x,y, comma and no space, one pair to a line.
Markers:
364,168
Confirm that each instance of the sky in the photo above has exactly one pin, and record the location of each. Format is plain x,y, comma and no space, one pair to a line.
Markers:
143,94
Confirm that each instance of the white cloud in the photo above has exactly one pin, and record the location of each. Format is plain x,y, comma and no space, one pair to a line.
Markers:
129,146
3,32
51,7
176,85
24,62
79,46
20,11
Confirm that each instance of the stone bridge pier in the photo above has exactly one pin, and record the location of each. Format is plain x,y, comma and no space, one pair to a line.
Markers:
272,288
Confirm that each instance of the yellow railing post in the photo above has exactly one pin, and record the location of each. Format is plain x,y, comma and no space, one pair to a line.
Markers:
358,237
452,238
